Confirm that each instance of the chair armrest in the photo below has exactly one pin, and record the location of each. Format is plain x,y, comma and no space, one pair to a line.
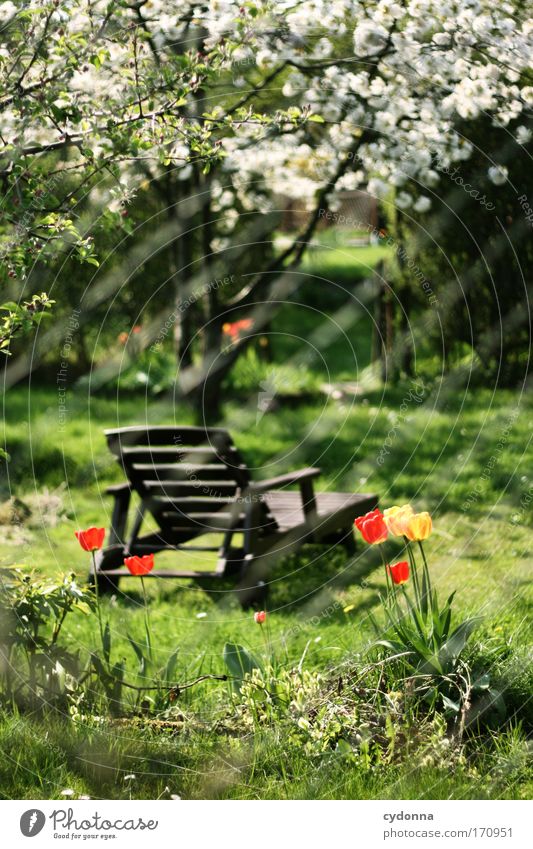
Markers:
303,477
122,494
298,477
118,489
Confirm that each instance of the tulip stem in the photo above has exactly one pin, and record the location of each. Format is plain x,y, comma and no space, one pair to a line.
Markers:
97,597
146,620
412,561
391,589
427,580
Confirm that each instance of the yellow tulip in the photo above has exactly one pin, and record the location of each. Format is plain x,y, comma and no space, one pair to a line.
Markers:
419,527
396,519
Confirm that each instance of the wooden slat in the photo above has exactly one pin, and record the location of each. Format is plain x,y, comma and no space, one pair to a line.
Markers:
175,489
197,455
193,504
161,573
286,507
201,522
183,472
120,438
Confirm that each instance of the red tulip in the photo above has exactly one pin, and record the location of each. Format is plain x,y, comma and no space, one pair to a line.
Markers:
233,328
260,617
140,565
92,539
372,527
360,519
399,572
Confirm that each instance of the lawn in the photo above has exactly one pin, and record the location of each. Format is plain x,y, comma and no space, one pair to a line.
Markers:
462,454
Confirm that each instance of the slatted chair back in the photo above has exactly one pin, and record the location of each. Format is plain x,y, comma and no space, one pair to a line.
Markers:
189,478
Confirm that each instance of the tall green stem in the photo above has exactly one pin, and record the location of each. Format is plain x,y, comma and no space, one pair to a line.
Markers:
147,621
97,597
412,562
426,584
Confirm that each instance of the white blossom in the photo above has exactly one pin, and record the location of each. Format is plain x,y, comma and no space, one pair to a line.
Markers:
369,38
7,11
422,204
498,174
523,135
403,200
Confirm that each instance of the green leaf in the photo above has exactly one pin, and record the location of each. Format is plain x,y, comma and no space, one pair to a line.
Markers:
170,666
115,691
455,644
482,683
449,705
239,662
317,119
106,642
140,656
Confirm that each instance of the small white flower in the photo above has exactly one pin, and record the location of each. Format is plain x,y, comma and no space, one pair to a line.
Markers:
7,11
67,792
523,135
498,174
423,203
130,777
369,38
201,615
443,39
403,200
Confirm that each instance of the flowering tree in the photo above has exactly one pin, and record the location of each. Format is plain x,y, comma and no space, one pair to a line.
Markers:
235,103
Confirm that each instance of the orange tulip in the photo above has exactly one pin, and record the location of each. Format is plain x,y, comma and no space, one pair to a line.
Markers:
260,617
396,519
419,527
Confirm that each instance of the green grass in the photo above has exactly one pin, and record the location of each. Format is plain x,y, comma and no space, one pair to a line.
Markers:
460,452
477,550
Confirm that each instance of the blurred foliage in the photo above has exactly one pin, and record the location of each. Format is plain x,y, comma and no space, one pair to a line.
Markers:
475,251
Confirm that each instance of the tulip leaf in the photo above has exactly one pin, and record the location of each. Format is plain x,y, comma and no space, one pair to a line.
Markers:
106,642
458,639
449,705
482,683
239,662
170,666
140,656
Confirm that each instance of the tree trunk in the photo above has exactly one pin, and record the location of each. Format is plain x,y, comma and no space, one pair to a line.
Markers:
407,350
181,256
209,391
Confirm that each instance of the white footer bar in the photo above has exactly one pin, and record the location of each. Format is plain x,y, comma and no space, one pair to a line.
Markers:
267,825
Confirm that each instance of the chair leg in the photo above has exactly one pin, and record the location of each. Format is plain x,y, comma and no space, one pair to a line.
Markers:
344,537
252,589
348,541
110,558
254,596
107,584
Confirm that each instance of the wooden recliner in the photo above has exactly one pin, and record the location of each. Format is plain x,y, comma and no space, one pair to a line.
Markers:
193,482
